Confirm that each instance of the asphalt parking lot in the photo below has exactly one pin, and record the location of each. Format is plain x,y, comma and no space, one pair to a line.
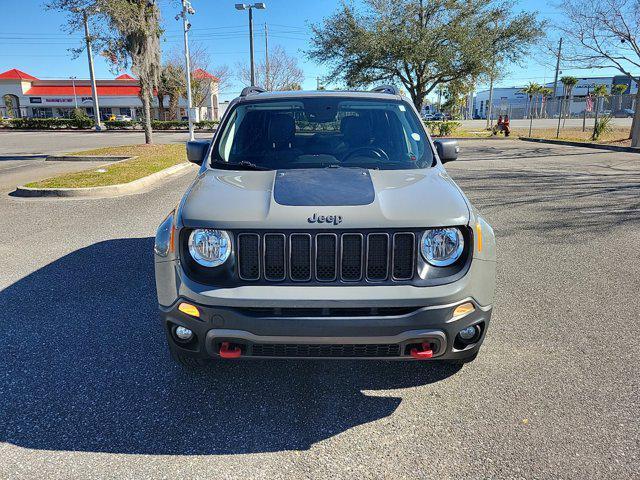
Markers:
87,389
23,153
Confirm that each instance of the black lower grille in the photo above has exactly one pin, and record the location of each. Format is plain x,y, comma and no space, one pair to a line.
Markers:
328,312
324,350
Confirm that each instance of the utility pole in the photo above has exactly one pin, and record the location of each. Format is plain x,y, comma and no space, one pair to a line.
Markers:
266,58
94,88
187,9
251,60
555,78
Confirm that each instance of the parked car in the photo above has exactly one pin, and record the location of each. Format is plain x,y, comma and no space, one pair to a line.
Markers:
123,118
324,225
628,112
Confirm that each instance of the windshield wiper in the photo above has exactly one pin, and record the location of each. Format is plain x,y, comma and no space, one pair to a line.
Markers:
243,165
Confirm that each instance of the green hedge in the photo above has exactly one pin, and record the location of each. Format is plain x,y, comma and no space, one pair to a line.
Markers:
47,123
442,128
87,123
120,124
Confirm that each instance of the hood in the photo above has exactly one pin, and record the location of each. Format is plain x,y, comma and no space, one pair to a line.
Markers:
324,198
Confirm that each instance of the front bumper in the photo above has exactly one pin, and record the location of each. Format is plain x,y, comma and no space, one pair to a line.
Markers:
264,334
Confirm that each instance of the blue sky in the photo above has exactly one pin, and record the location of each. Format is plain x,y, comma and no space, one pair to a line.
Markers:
37,45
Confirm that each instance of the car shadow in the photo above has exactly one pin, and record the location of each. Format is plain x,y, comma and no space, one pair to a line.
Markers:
85,368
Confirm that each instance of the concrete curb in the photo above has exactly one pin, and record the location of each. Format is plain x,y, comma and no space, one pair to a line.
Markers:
86,158
107,191
615,148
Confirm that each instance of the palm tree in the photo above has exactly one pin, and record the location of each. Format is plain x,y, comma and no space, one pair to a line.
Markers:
531,90
600,91
568,82
545,94
619,90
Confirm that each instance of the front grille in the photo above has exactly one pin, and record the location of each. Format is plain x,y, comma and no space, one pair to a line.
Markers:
326,257
324,350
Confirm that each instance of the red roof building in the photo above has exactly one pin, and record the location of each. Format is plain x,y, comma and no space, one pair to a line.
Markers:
27,96
15,74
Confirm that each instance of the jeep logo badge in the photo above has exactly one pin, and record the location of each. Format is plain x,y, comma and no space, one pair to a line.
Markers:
335,219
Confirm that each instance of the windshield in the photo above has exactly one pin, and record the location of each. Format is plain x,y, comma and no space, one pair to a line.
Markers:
324,132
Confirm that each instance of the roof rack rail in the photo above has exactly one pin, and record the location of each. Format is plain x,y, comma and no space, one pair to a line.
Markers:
251,90
390,89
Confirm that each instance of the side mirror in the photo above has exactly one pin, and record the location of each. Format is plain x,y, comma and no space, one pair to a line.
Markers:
197,150
447,150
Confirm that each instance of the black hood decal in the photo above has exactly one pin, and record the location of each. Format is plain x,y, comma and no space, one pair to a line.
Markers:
323,187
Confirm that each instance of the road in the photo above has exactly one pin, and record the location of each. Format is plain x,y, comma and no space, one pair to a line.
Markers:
22,153
88,391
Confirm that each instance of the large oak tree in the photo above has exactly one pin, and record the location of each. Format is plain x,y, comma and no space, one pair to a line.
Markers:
128,32
421,43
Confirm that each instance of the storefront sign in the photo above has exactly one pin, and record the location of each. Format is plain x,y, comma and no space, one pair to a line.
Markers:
59,100
35,99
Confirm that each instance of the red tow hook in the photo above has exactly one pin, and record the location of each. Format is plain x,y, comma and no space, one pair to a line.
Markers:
226,351
425,353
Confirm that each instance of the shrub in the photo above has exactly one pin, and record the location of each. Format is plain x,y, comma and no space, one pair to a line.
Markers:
169,124
603,125
27,123
120,124
207,124
442,128
79,114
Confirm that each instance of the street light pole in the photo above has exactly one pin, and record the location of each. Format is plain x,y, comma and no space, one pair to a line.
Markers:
187,8
244,6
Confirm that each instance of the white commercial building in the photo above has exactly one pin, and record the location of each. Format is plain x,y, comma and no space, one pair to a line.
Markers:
512,101
24,95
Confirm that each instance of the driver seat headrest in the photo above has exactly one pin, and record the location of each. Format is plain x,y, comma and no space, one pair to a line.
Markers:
282,130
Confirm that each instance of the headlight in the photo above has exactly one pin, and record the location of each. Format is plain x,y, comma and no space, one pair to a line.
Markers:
442,246
210,248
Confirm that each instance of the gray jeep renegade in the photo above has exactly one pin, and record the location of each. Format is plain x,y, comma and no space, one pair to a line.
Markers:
324,225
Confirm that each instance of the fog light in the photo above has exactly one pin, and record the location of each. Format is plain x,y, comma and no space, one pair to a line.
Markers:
468,334
183,334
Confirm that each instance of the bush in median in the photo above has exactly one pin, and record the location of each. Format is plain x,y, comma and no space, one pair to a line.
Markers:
27,123
442,128
121,124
